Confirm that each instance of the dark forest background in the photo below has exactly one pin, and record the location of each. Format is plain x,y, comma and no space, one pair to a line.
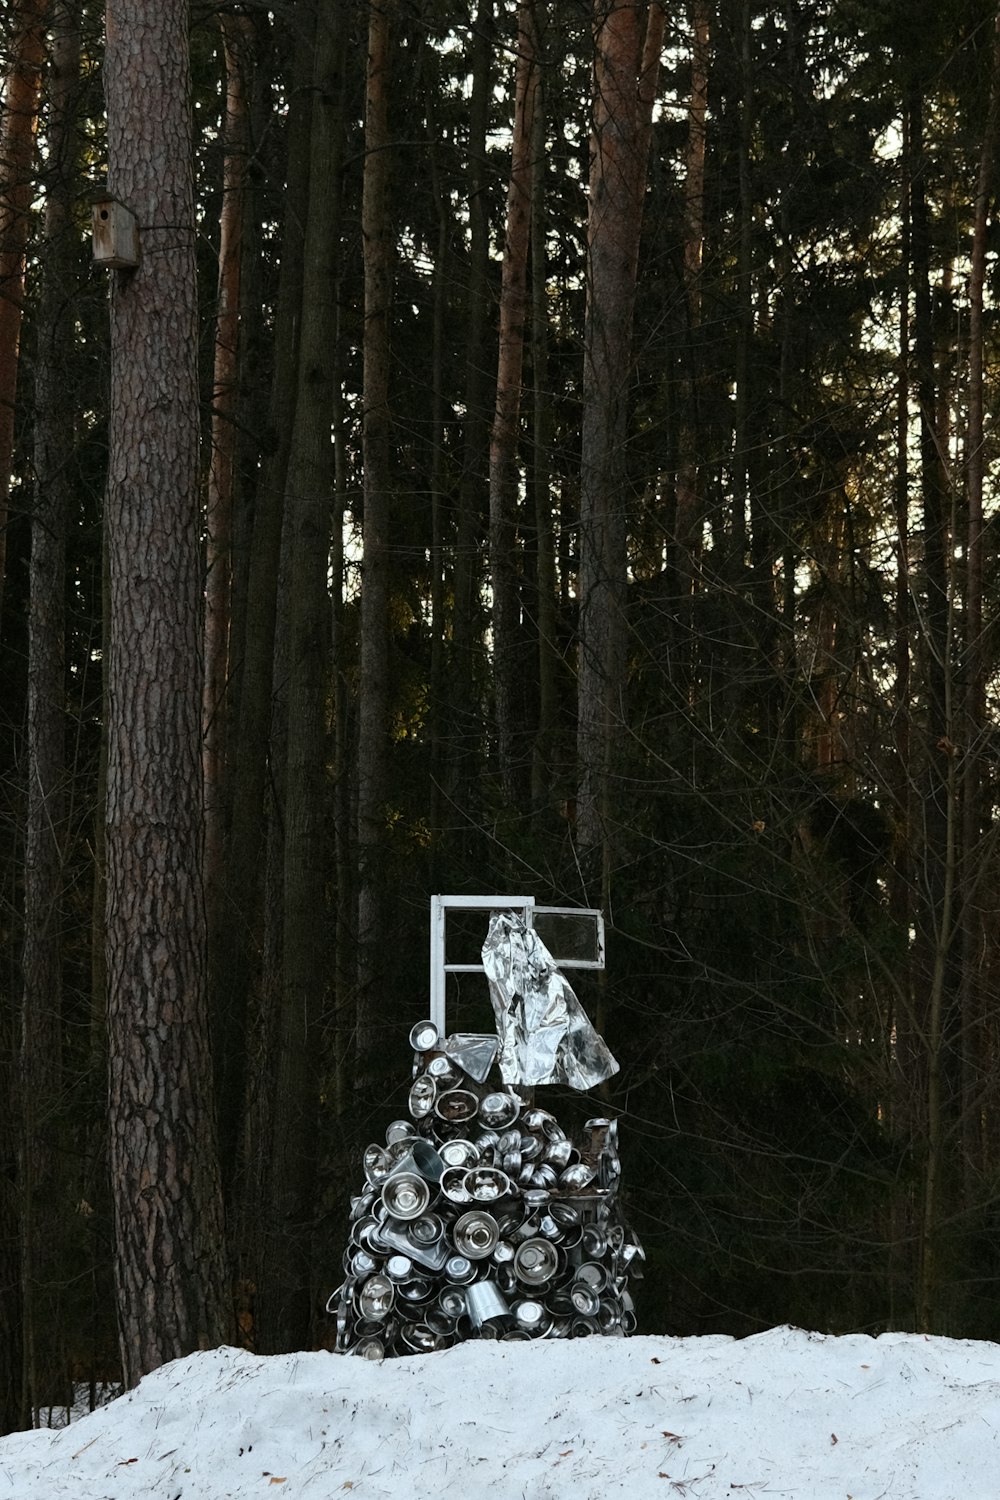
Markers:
596,500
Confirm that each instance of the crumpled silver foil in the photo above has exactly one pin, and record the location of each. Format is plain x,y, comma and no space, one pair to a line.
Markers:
545,1036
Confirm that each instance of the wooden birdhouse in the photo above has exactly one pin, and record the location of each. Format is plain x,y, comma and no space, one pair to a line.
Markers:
116,234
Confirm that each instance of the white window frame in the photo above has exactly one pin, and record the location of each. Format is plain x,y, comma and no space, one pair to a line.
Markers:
526,908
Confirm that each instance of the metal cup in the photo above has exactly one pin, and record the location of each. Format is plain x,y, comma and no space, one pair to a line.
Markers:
578,1176
609,1316
419,1338
443,1071
376,1163
370,1347
459,1153
455,1106
475,1234
398,1130
560,1303
484,1304
452,1302
453,1185
415,1289
584,1299
487,1184
506,1280
593,1275
361,1203
422,1096
535,1262
398,1267
558,1153
531,1316
498,1110
406,1195
438,1321
424,1037
426,1230
418,1157
568,1219
582,1327
376,1297
460,1270
594,1241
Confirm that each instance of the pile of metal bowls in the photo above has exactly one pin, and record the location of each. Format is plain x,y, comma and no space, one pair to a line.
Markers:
480,1218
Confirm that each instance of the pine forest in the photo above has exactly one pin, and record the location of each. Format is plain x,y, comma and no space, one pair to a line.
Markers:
547,448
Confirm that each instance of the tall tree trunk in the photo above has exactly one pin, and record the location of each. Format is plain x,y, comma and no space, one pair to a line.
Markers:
235,961
467,649
936,914
284,1300
546,611
744,295
12,1399
504,558
688,525
373,711
975,807
901,1022
43,1185
169,1245
17,149
443,270
625,74
237,39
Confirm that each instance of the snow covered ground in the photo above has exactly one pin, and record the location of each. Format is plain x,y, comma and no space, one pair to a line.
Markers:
785,1413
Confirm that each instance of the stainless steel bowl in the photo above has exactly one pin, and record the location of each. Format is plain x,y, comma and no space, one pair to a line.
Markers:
475,1234
498,1110
406,1195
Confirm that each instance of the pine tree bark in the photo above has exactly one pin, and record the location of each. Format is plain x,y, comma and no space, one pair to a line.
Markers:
467,647
936,912
975,803
373,710
284,1301
546,605
43,1217
625,71
169,1245
235,959
687,528
17,149
505,566
237,34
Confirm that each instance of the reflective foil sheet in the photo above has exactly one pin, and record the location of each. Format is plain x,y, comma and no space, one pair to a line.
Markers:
545,1036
